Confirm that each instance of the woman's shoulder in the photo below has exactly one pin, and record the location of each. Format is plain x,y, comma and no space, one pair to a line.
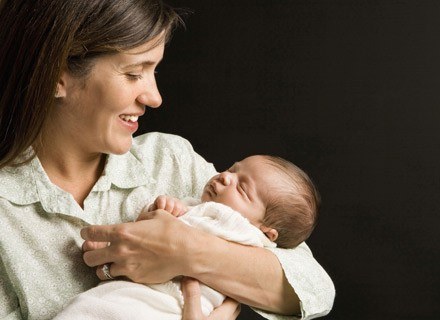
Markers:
17,184
159,143
158,137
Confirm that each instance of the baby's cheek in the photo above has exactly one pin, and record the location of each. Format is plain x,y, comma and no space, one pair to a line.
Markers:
205,196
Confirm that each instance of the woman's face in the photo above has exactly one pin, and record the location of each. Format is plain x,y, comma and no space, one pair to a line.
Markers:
100,113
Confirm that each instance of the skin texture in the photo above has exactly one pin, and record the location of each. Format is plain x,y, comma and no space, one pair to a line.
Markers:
244,187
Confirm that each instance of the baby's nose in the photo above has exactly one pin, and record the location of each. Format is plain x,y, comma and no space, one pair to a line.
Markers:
225,178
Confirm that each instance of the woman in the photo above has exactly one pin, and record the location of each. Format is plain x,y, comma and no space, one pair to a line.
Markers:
75,77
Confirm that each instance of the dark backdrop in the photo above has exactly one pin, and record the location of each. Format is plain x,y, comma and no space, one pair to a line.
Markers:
349,91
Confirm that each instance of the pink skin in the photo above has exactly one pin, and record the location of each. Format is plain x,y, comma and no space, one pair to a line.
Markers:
243,188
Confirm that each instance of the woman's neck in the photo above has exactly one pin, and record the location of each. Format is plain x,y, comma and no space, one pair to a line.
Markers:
74,172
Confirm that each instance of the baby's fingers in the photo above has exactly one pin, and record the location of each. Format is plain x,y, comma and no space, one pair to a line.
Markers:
229,309
192,309
160,203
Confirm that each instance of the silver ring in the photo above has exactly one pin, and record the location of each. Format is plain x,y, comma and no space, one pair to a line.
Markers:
106,270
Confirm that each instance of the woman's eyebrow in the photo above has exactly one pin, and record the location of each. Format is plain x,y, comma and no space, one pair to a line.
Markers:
141,63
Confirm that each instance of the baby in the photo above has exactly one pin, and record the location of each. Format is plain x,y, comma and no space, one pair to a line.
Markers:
272,193
259,201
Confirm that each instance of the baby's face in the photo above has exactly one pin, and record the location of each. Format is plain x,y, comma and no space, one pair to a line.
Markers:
243,187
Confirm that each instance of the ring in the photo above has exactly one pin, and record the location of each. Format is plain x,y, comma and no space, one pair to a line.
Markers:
106,270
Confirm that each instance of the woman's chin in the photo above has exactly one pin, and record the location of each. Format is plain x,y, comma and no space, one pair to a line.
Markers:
122,147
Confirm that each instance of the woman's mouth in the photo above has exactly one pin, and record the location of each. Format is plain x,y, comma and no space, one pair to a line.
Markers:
129,118
130,122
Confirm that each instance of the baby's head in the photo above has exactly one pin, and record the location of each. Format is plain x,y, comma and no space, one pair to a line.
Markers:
272,193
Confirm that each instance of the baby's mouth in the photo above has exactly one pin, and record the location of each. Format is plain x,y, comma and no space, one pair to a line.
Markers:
211,190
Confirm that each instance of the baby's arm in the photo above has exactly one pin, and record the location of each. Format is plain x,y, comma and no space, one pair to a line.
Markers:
173,205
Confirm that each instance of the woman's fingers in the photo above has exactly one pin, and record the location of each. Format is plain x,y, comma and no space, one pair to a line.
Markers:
97,257
192,309
146,251
97,238
93,245
113,271
100,271
100,233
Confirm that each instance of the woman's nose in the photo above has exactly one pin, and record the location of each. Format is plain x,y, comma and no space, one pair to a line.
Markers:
150,96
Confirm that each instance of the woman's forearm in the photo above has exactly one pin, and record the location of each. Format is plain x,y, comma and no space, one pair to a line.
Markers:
248,274
159,247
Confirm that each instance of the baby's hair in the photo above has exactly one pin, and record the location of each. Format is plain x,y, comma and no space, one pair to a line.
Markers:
292,205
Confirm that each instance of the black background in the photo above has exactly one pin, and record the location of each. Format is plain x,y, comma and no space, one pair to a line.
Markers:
347,90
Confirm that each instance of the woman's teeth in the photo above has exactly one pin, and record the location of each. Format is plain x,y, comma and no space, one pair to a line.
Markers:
129,118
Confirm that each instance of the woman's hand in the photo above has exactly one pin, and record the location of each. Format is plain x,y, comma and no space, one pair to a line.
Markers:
192,310
154,249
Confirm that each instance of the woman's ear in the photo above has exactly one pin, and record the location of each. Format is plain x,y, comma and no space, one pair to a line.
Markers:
272,234
61,89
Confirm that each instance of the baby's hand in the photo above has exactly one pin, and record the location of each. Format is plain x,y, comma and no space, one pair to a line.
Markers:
173,205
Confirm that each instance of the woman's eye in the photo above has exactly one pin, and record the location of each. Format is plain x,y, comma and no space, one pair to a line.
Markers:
133,77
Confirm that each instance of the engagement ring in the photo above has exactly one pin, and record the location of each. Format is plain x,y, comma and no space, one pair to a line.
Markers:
106,271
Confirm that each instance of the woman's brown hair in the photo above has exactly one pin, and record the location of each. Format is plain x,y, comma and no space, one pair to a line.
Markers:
41,38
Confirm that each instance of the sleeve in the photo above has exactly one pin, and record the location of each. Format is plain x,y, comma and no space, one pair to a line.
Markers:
312,284
9,306
200,170
173,160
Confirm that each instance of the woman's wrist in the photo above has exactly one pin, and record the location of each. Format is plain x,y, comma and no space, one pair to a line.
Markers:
199,258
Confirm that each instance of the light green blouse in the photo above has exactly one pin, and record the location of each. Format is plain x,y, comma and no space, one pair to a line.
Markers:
41,266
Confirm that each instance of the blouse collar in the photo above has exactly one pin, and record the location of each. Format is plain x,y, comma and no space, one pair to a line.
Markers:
29,183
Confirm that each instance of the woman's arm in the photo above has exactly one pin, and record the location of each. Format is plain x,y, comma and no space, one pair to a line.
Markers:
160,247
250,275
254,279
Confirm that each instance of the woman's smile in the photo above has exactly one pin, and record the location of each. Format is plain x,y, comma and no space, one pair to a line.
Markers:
130,121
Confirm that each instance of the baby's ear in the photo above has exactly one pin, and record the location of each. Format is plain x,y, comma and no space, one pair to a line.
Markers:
272,234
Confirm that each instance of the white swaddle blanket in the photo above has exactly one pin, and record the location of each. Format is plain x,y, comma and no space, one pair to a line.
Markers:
115,300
